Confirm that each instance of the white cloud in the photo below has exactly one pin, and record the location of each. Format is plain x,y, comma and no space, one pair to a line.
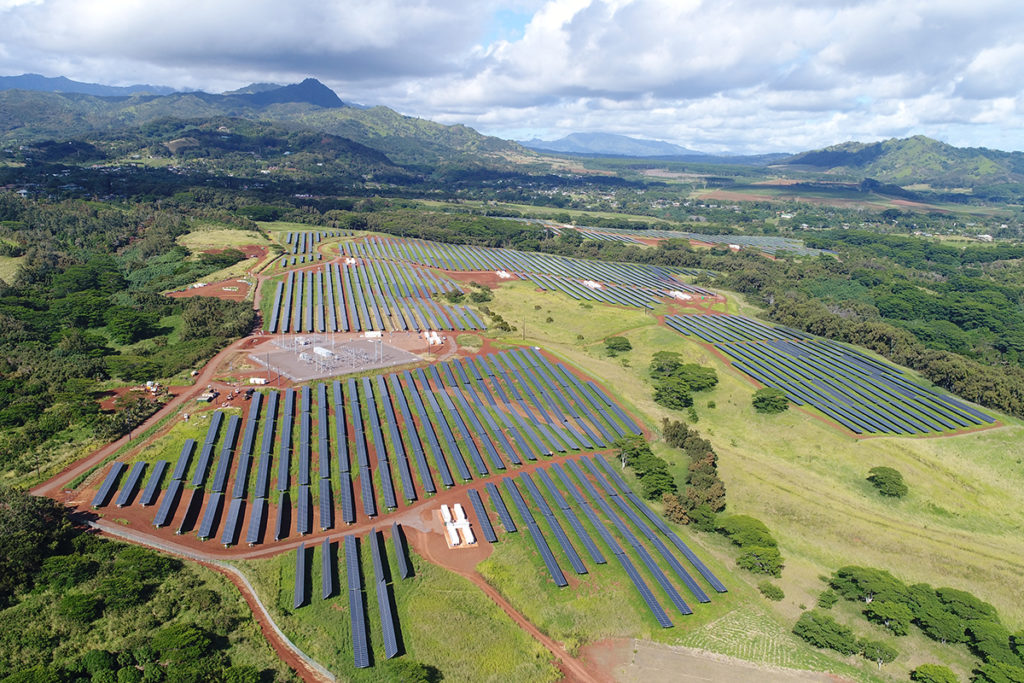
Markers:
743,75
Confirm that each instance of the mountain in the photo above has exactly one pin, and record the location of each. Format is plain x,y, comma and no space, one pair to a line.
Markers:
917,159
310,91
253,88
608,144
62,84
32,117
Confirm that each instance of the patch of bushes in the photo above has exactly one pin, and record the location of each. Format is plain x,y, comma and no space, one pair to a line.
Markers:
771,591
616,345
704,495
759,552
652,471
770,401
674,381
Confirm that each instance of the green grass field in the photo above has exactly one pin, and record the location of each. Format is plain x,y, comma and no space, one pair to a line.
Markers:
445,622
216,236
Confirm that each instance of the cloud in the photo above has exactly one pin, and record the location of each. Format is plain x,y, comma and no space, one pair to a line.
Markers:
744,75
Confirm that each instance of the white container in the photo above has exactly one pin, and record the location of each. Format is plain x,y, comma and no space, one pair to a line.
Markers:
446,514
460,514
467,533
453,535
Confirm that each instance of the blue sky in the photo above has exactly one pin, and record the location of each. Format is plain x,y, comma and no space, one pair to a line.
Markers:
738,76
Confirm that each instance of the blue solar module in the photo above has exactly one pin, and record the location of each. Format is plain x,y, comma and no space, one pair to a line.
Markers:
301,570
341,431
452,447
282,523
549,559
241,476
305,422
348,507
109,485
645,592
428,430
360,638
396,440
376,555
326,505
220,478
211,515
355,578
169,504
152,489
262,488
323,429
202,464
387,620
499,505
283,463
556,527
398,540
256,520
131,484
181,468
481,515
304,518
327,569
229,534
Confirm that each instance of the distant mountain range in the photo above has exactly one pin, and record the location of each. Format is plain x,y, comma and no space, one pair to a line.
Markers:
31,116
62,84
608,144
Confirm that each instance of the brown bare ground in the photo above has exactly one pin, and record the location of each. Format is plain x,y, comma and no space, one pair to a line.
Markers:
232,290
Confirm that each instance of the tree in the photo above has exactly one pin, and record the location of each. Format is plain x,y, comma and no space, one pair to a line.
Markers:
770,401
827,599
673,393
181,642
933,673
868,584
665,363
888,481
127,326
616,345
821,630
697,377
33,528
675,511
991,641
878,652
656,483
894,616
761,560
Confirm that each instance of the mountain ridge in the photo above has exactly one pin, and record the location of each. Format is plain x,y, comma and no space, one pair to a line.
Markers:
40,83
608,143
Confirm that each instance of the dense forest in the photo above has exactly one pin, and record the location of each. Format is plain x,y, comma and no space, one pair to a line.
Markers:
85,306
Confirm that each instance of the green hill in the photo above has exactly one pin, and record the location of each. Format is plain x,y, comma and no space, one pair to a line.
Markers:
918,159
31,116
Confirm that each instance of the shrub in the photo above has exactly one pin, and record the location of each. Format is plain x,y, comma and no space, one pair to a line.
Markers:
821,630
771,591
888,481
933,673
81,609
878,652
770,401
617,345
827,599
894,616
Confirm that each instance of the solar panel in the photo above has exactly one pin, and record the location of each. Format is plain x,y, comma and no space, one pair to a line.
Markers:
326,505
556,527
545,552
256,520
387,619
499,505
301,569
481,515
283,517
109,485
131,484
202,464
152,489
242,476
229,535
169,504
398,540
304,521
360,647
327,568
210,515
181,467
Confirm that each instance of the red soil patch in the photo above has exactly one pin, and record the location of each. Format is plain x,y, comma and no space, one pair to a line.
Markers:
232,290
482,277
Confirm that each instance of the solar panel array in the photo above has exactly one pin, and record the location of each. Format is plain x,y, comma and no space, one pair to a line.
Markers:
371,295
398,539
385,599
536,534
109,485
360,628
865,395
301,570
769,244
302,245
481,515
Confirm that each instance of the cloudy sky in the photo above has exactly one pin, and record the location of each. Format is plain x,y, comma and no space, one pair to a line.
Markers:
713,75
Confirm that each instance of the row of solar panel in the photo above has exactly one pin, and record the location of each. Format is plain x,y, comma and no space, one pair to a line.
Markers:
520,264
385,596
348,298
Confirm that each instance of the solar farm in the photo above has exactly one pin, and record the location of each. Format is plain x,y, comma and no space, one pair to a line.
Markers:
768,244
517,442
865,395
